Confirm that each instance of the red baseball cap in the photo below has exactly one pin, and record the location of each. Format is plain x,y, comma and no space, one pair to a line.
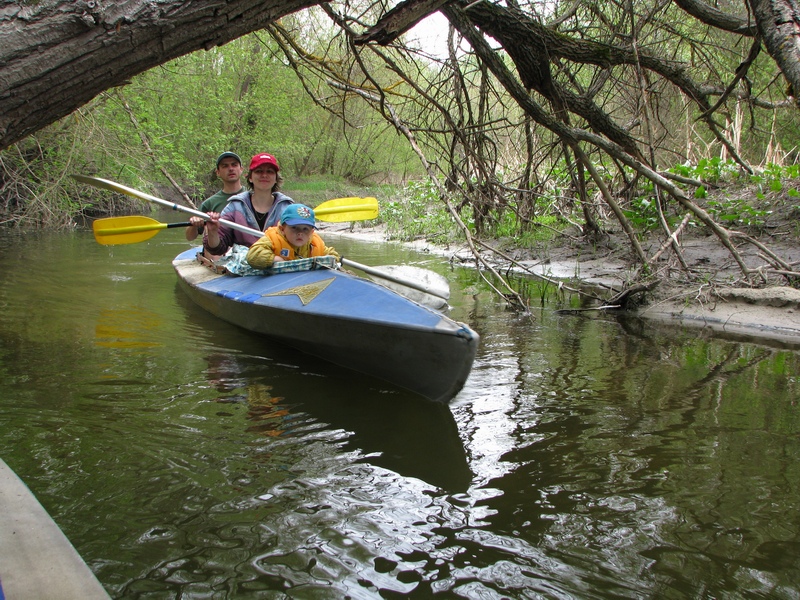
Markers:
263,159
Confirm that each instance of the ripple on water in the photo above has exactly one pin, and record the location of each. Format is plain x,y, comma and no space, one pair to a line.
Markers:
583,459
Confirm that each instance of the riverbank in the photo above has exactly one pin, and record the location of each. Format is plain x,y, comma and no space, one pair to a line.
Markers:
714,298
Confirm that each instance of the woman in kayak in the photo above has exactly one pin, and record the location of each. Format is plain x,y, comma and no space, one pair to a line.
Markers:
259,208
294,238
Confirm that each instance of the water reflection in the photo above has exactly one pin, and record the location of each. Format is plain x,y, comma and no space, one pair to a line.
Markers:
388,427
586,457
392,428
636,455
126,328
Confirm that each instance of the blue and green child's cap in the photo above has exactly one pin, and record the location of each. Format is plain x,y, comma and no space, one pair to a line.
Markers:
298,214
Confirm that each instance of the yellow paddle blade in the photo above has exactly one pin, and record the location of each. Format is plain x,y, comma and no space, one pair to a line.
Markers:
125,230
342,210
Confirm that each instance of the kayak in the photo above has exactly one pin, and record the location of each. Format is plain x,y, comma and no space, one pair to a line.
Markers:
36,558
343,319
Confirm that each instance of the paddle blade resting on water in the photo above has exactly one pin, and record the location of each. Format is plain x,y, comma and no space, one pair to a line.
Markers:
430,279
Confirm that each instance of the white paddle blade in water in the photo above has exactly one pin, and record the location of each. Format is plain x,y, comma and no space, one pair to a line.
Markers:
423,277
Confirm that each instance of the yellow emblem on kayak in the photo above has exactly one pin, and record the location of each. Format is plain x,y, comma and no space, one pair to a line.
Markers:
306,293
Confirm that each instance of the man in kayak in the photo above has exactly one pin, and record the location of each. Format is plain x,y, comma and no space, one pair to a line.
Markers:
294,238
229,170
258,208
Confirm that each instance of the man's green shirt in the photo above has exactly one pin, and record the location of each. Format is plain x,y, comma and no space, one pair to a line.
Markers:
218,201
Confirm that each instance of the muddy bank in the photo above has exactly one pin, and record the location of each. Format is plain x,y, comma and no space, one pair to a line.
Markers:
722,303
770,313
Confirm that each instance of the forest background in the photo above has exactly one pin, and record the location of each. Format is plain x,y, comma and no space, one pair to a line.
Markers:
576,120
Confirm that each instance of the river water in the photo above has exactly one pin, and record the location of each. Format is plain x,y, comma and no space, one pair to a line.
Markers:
588,456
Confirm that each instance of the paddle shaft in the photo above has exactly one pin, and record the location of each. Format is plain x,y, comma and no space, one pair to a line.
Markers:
124,189
399,280
368,208
117,187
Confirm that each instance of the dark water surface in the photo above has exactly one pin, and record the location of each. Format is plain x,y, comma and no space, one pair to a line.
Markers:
587,457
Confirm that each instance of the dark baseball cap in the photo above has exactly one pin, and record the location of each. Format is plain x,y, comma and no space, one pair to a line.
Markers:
228,155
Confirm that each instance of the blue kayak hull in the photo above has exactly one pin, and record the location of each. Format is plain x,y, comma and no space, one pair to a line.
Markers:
343,319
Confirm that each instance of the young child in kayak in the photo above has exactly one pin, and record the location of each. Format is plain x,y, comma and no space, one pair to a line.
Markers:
295,237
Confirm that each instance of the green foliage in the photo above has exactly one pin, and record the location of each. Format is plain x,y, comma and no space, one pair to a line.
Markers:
418,213
526,233
736,211
711,170
642,211
771,179
642,214
37,189
715,170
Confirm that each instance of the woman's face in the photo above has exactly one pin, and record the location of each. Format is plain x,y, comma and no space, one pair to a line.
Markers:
263,178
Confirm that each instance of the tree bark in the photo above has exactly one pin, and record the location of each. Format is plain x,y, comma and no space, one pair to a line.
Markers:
55,56
711,15
779,27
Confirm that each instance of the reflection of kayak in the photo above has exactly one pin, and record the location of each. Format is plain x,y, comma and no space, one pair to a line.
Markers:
343,319
412,437
36,559
397,430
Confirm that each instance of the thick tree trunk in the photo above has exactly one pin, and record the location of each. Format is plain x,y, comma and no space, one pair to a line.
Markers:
55,56
779,26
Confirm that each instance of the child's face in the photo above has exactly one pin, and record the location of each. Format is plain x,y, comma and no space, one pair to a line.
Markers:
298,235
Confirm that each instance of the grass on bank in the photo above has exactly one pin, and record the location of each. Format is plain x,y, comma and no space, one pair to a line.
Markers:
414,211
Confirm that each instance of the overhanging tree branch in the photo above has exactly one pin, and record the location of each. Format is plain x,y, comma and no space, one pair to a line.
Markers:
508,292
572,136
57,55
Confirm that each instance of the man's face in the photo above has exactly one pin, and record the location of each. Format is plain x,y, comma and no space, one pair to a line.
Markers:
229,170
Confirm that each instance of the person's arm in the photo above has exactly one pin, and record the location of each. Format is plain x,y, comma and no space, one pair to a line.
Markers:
261,254
326,250
331,251
195,229
212,241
